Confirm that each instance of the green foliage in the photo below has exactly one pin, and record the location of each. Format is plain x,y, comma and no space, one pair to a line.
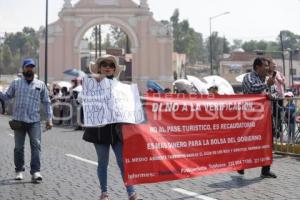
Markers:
289,39
186,39
7,61
16,47
107,43
120,38
220,46
236,44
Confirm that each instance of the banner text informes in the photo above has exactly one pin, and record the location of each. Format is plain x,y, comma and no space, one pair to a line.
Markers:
187,136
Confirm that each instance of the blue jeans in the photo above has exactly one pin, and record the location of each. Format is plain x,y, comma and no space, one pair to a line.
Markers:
103,159
291,132
34,133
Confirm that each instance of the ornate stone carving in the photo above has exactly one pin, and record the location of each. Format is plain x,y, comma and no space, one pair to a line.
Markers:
67,4
107,2
132,21
161,30
78,22
54,30
144,4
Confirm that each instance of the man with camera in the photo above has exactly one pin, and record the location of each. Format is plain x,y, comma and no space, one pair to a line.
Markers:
255,83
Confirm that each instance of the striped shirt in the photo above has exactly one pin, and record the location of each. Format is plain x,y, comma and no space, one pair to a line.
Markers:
28,98
253,84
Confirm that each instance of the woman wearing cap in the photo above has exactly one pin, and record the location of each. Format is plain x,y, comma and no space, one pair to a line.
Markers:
108,135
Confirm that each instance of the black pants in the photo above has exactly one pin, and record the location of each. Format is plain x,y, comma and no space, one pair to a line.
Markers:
277,109
2,105
265,169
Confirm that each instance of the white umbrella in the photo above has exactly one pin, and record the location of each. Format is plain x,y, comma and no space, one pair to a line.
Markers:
199,85
74,72
78,88
184,86
224,87
63,84
240,78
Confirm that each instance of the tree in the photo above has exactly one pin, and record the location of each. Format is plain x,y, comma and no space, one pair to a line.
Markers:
249,46
186,39
119,37
197,51
107,43
7,60
18,46
289,39
220,45
226,48
237,44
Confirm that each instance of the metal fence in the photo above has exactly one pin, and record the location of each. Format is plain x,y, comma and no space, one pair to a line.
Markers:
286,124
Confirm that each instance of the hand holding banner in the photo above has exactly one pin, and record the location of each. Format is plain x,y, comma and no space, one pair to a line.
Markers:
197,136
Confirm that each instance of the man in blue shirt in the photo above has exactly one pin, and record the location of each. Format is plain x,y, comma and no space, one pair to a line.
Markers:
255,83
28,94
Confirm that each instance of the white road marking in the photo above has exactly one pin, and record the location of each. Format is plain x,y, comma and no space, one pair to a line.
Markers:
192,194
179,190
82,159
11,135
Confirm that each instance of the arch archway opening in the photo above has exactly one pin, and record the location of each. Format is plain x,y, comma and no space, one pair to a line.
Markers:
103,39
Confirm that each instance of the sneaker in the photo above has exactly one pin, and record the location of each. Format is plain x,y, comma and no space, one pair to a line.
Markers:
104,196
133,197
36,177
268,175
19,176
241,172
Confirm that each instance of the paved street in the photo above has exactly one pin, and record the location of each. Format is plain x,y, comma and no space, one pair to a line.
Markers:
69,170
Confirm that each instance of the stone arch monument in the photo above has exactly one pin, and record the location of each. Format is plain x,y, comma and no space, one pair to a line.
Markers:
151,41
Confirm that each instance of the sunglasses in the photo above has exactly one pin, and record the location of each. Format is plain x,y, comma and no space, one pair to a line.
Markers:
110,65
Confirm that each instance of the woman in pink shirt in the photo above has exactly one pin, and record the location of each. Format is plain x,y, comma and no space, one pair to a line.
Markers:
278,103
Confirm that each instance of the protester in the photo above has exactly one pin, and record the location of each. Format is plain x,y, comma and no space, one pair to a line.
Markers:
256,83
184,86
290,115
278,103
28,93
108,135
213,90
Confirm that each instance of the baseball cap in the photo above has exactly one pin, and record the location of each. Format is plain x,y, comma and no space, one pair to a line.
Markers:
27,62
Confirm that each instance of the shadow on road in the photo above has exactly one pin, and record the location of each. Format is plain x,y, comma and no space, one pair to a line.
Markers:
236,182
13,182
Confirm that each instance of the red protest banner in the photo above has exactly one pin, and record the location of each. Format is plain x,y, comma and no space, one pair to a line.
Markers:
187,136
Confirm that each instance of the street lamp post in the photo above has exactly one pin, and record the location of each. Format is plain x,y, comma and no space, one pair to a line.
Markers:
46,45
210,39
291,72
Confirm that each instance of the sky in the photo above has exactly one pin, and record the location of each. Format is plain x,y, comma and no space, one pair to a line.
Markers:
247,19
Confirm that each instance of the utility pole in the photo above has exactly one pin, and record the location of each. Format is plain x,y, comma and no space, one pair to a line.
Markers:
282,52
96,42
210,40
46,45
100,40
